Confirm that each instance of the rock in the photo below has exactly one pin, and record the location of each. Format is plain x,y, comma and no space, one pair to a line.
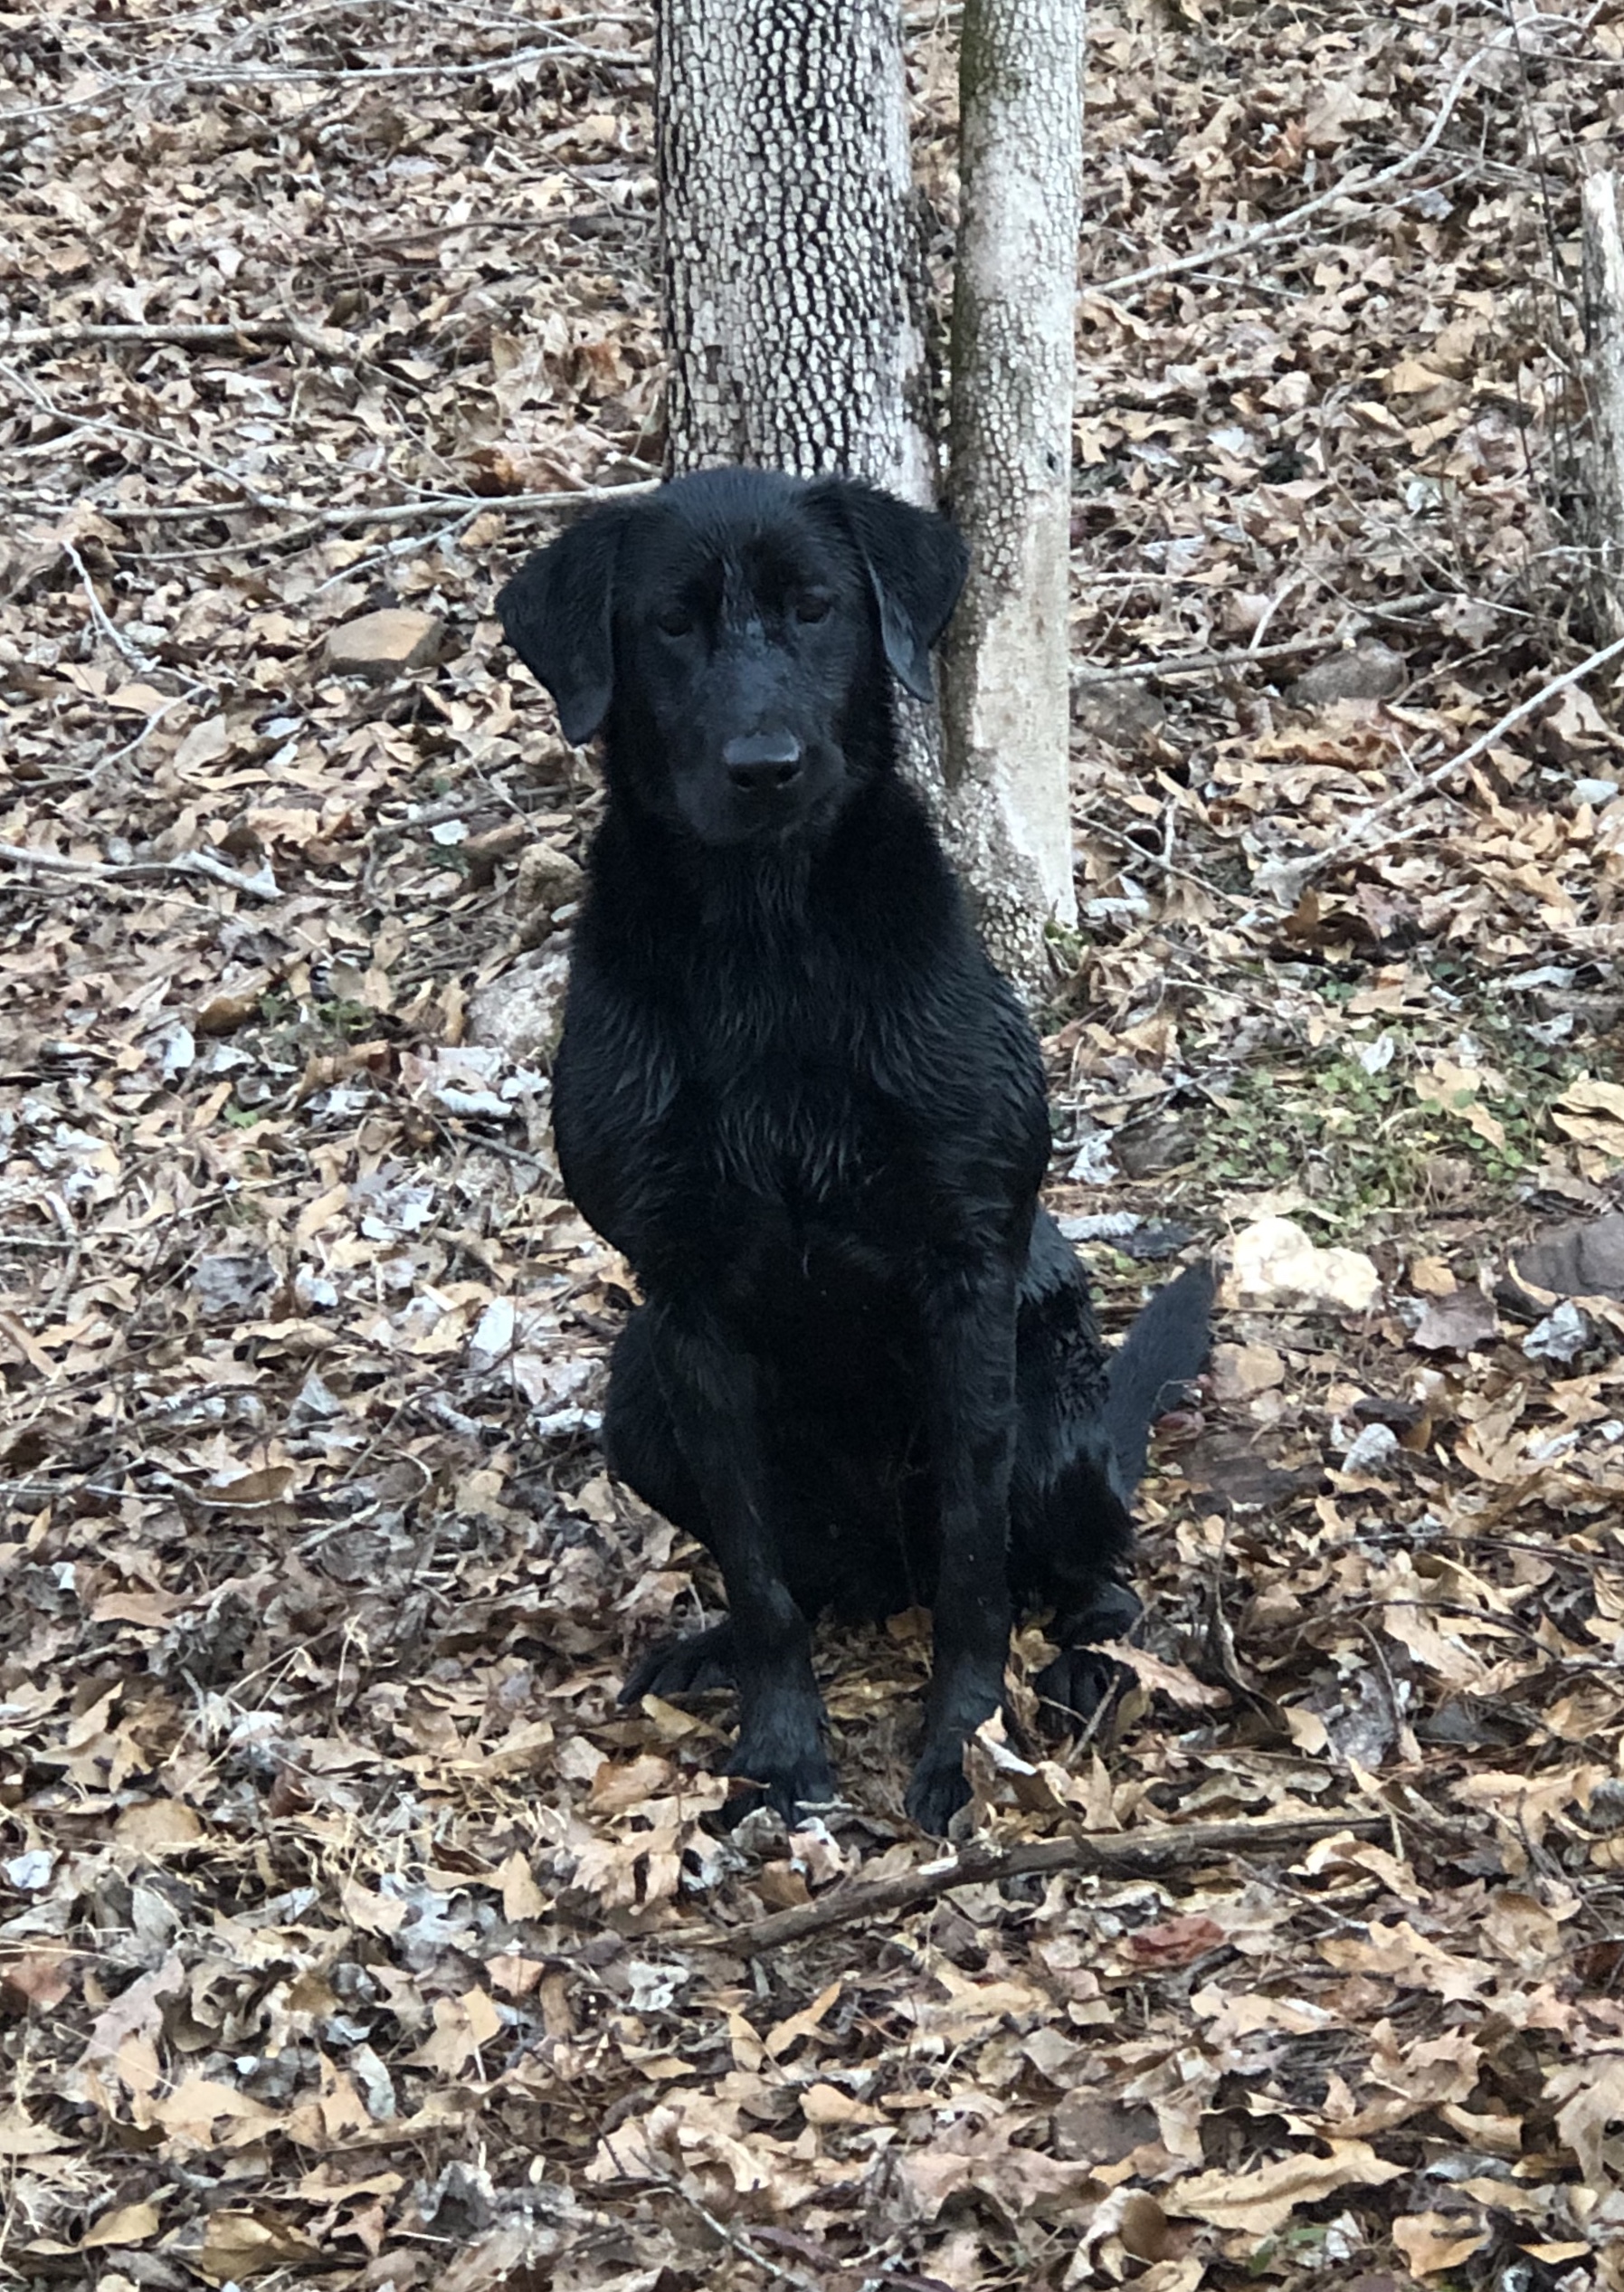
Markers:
1240,1370
380,645
1369,671
1149,1149
484,854
1585,1260
1124,714
522,1012
1376,1451
1274,1262
233,1284
548,881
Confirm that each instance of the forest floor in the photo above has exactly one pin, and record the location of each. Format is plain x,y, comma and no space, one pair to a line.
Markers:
350,1935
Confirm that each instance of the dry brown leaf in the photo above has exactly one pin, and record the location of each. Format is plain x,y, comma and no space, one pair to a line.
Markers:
249,2244
1263,2200
1434,2243
1589,2093
125,2224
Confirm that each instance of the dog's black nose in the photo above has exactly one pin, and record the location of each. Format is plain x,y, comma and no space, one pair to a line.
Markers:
763,763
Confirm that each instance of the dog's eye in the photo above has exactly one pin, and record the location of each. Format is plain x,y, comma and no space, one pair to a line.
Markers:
674,622
814,608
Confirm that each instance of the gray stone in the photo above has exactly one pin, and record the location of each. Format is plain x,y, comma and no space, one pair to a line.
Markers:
1368,671
521,1014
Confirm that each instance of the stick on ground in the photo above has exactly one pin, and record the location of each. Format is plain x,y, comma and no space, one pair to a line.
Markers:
1126,1854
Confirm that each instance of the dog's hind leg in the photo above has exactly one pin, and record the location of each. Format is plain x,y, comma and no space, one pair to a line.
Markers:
641,1444
640,1440
687,1666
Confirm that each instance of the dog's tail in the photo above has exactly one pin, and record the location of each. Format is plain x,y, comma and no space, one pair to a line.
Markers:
1166,1344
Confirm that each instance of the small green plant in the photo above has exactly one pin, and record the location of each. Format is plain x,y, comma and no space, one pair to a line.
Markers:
1362,1143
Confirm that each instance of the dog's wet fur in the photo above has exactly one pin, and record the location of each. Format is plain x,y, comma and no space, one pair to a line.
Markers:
792,1090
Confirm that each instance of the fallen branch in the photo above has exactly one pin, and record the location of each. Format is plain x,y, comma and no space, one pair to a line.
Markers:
193,79
439,505
142,662
262,886
1229,657
1356,186
1131,1853
180,334
313,520
1284,880
1190,664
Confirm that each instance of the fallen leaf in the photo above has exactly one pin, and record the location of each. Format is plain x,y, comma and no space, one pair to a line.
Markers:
1263,2200
249,2244
1435,2242
126,2224
22,2137
1458,1323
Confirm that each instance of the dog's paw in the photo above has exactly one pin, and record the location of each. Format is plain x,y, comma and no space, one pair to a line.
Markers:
795,1779
1072,1688
687,1665
938,1788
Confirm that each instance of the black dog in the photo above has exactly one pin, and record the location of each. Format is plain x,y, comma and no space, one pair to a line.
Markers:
793,1091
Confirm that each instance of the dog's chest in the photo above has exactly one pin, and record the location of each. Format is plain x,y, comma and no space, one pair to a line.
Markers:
792,1129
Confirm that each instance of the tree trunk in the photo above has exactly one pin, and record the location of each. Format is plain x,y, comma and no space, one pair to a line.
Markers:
1007,697
793,278
795,319
1604,384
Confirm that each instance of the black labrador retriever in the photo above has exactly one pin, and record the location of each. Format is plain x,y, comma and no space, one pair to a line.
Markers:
795,1094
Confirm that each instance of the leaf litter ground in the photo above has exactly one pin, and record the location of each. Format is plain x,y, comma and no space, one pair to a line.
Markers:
351,1934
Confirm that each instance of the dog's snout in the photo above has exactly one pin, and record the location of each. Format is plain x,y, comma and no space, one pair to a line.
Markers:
763,763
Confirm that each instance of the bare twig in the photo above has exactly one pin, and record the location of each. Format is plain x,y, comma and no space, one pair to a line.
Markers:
176,79
1224,659
93,425
262,886
1093,826
1131,1852
1284,880
730,2239
312,519
1190,664
182,334
1357,185
137,659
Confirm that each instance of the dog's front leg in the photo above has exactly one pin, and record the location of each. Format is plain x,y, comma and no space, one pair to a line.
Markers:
711,1391
970,1355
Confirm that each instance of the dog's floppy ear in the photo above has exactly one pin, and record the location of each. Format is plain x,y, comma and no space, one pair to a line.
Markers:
558,616
916,563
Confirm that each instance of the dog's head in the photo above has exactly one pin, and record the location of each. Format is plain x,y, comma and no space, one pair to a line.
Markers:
726,628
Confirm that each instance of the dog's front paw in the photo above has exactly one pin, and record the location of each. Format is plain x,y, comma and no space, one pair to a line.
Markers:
794,1778
938,1789
687,1665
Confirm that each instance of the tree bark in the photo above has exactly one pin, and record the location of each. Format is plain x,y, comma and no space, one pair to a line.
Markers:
793,276
1007,700
1604,381
795,304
